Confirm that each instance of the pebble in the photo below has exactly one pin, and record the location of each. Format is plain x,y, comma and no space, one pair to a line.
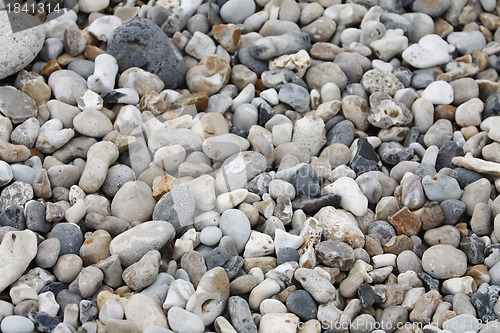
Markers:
181,320
147,236
11,324
67,86
440,187
433,265
236,11
431,50
122,46
23,47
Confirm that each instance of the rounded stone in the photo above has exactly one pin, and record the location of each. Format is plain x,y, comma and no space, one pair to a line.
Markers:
70,237
17,324
302,304
133,202
155,53
455,264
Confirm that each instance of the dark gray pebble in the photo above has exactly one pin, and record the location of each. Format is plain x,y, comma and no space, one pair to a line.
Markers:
452,209
287,254
69,235
465,177
446,153
365,158
35,217
473,247
383,230
306,182
391,153
44,323
13,216
302,304
141,43
217,257
311,206
343,132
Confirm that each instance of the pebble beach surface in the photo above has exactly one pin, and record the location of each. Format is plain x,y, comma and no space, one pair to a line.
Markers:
252,166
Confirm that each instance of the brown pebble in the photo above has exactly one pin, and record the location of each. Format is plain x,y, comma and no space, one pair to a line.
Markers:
51,67
405,222
152,101
479,273
445,112
95,248
463,228
394,294
64,59
373,246
431,215
487,33
442,27
480,58
39,91
199,99
398,244
283,295
194,264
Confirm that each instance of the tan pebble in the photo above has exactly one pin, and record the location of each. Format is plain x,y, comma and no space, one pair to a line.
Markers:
398,244
264,263
241,76
153,102
442,28
445,112
425,307
163,184
480,58
227,35
64,59
479,273
39,91
121,140
469,131
490,21
199,100
325,51
13,153
209,76
91,52
95,248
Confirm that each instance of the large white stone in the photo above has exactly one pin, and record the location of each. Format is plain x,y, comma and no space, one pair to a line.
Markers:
351,197
431,50
17,250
